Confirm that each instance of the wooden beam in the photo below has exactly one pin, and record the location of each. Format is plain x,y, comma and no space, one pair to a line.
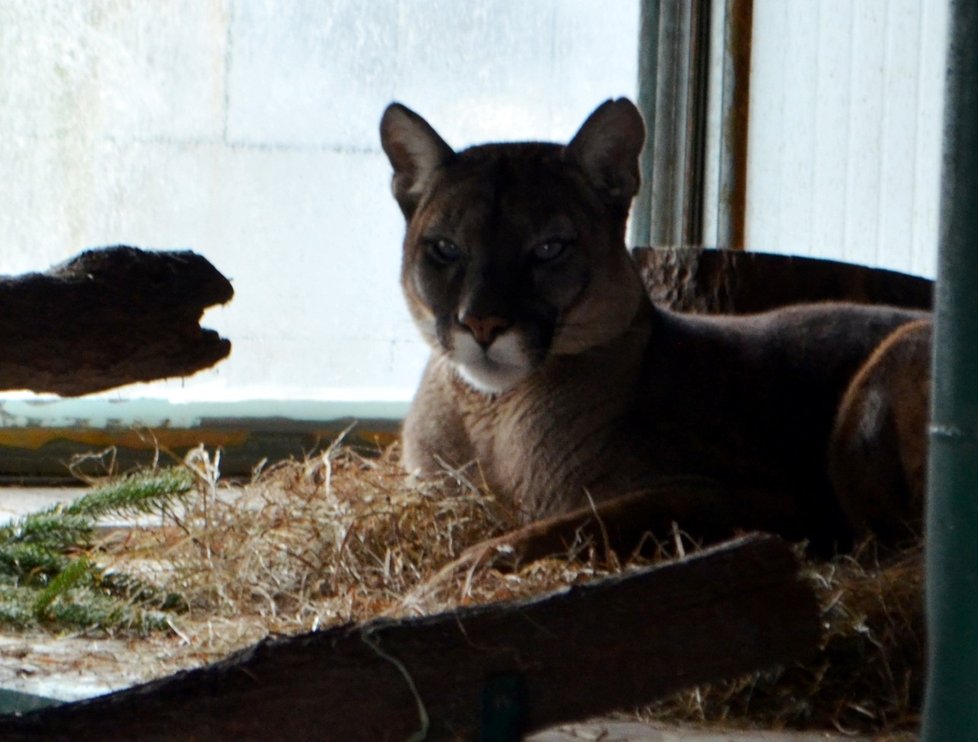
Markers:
109,317
508,669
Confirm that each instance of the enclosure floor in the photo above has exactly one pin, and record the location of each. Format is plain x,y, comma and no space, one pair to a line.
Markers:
71,668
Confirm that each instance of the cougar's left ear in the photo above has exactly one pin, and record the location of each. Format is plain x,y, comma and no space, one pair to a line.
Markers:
415,151
607,148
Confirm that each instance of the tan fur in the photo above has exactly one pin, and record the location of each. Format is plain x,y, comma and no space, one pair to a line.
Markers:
878,453
585,394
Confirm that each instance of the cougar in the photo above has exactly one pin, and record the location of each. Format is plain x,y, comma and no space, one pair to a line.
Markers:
554,375
878,449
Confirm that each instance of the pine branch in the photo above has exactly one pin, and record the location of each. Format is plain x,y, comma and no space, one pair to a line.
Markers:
17,607
47,578
52,530
74,573
85,610
135,590
30,564
139,493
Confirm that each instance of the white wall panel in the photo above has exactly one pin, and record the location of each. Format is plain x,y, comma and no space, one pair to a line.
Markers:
929,124
845,122
830,132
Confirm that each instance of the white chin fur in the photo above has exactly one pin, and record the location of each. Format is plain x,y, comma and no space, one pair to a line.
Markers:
503,365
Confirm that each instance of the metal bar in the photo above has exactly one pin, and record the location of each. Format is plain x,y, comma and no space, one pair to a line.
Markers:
732,204
670,132
648,61
950,710
673,82
698,68
36,441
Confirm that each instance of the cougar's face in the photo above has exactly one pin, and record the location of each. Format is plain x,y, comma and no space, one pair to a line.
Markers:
509,259
514,253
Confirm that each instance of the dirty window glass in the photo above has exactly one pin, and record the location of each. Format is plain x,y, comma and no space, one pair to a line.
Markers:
247,131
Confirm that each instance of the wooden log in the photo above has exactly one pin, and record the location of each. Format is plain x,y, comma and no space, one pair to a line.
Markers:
501,670
694,279
109,317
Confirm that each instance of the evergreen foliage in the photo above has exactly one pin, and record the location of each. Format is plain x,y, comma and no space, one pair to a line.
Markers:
49,579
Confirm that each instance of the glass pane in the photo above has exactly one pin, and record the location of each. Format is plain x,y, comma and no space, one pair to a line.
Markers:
247,131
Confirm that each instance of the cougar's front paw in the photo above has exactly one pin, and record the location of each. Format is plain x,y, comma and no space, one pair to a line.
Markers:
502,553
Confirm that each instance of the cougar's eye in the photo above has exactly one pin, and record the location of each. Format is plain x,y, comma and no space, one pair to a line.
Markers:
444,251
550,250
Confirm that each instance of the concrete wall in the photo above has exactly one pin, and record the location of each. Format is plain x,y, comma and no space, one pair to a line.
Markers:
247,130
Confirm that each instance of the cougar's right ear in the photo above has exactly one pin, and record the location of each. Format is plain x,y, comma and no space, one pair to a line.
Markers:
607,147
415,151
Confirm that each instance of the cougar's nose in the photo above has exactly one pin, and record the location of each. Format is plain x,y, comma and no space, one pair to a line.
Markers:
484,329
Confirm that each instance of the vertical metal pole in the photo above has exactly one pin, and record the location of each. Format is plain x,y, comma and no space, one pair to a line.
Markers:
696,105
648,63
732,206
673,64
951,704
669,160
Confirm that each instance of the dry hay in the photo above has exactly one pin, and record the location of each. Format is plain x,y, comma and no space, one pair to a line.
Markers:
334,538
342,537
867,676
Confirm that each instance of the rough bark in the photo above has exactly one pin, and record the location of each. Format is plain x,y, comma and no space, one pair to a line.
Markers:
693,279
109,317
498,670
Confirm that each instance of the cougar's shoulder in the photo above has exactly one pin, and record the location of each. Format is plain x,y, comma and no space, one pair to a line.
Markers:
878,449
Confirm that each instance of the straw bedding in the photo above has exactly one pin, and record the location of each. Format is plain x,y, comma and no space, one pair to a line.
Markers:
343,536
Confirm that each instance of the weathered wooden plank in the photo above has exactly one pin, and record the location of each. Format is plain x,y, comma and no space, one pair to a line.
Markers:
109,317
616,643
